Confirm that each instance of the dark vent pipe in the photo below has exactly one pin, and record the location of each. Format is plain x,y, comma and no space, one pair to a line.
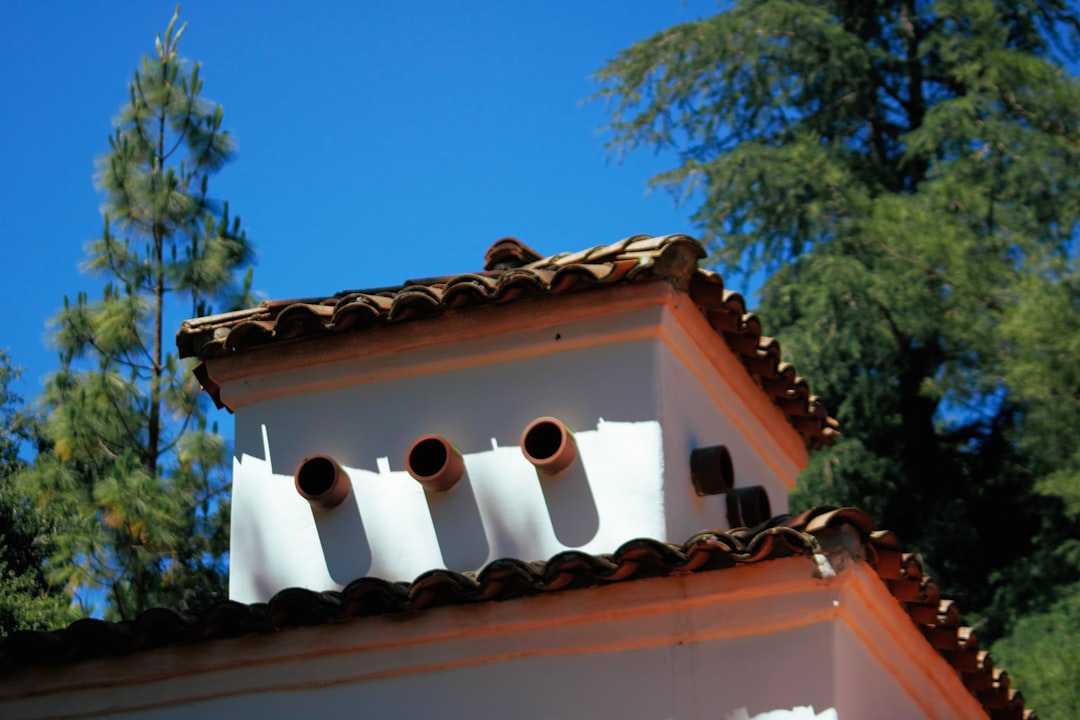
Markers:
434,463
748,506
322,482
711,470
549,445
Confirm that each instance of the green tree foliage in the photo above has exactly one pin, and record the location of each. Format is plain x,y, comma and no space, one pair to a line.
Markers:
1043,657
906,173
27,599
142,481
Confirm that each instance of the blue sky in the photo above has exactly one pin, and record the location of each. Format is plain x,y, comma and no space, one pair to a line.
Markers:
378,141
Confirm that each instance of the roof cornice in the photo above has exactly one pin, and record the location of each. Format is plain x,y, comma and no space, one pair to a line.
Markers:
513,277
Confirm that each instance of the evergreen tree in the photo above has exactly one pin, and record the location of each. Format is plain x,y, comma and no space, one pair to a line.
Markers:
142,481
27,599
906,174
1043,658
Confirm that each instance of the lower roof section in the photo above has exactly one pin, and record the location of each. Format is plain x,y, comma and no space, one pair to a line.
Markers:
833,568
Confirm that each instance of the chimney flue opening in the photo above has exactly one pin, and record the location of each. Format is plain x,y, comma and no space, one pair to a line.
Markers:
321,481
711,470
548,444
315,476
427,457
748,506
434,463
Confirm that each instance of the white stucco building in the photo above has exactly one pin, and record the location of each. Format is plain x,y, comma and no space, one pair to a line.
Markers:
552,488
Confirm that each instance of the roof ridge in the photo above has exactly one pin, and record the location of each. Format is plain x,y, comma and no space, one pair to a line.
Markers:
514,271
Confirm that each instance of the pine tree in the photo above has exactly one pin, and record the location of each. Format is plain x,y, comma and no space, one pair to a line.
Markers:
141,478
27,599
906,175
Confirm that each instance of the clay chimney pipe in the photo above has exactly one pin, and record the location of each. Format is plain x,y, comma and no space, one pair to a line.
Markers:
322,482
549,445
748,506
434,463
711,470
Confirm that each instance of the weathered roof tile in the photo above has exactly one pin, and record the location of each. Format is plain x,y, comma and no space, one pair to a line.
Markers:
514,272
507,579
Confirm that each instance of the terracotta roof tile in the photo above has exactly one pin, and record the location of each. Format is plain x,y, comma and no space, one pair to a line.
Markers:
507,579
509,252
513,272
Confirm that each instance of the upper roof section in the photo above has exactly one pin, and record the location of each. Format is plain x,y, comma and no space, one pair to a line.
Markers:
513,272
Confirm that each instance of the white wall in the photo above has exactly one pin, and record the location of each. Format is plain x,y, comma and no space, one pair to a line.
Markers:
706,680
635,409
699,646
864,689
390,528
692,419
762,638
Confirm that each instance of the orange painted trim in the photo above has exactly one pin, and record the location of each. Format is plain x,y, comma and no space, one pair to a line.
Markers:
865,590
708,357
581,622
530,621
814,618
856,598
326,379
513,319
499,334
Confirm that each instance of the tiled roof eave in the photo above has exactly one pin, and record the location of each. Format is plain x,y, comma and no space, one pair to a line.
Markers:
639,259
387,336
817,533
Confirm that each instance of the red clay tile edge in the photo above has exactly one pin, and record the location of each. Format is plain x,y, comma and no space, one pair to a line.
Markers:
810,533
514,272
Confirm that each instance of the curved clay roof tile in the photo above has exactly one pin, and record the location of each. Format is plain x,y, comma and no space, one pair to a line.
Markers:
809,533
251,333
639,258
761,364
414,301
355,316
468,290
160,627
507,578
575,277
509,253
521,284
302,320
707,290
373,596
735,302
575,569
742,343
675,257
294,607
